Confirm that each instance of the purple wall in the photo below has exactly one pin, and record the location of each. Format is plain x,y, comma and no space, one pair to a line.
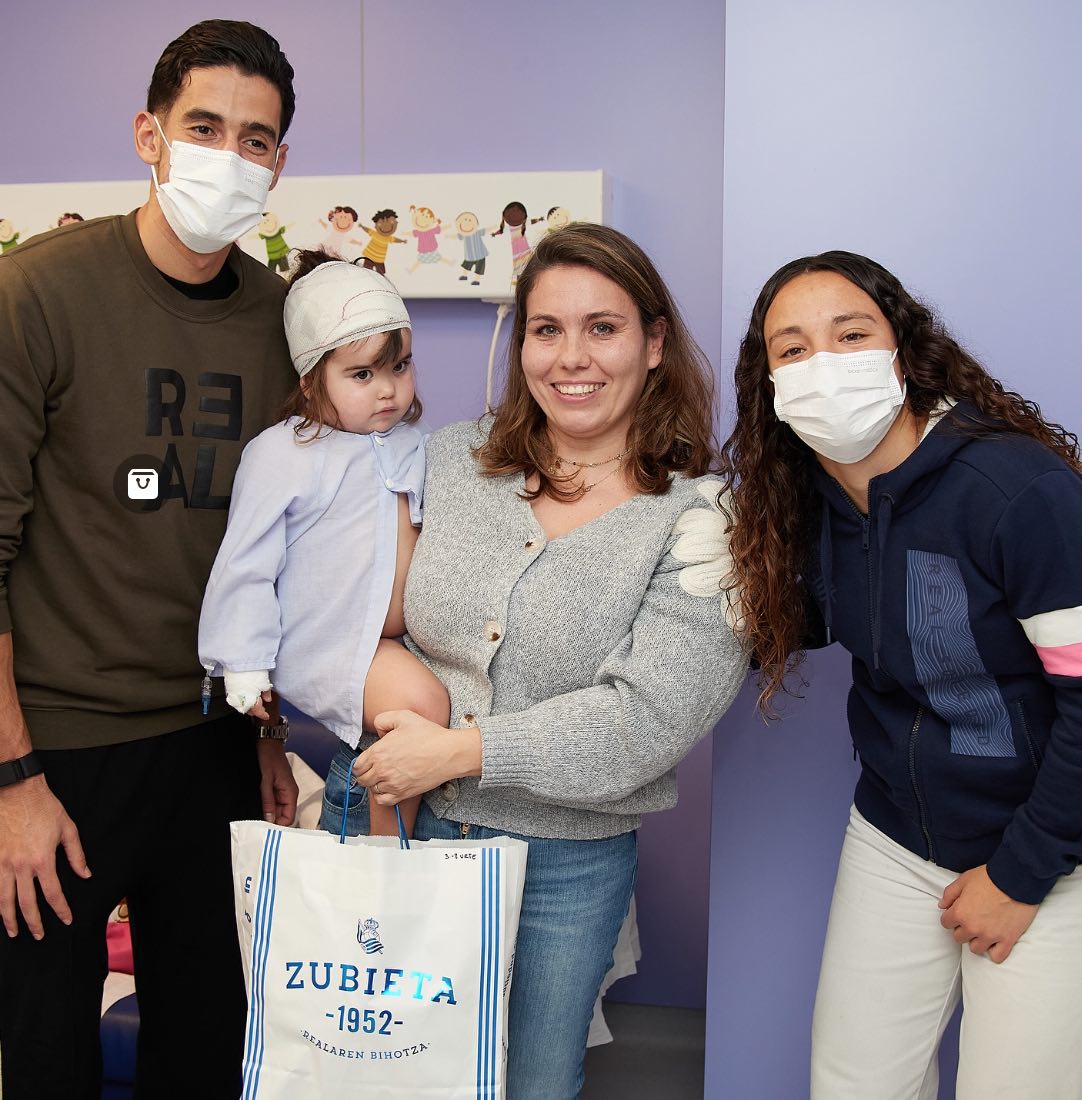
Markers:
452,85
80,72
926,135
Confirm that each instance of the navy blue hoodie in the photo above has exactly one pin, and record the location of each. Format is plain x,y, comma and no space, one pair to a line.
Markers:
959,596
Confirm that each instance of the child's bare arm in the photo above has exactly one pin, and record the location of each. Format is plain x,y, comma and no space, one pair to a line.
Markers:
394,626
397,680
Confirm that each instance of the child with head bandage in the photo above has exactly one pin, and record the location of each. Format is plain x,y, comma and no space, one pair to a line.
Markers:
306,592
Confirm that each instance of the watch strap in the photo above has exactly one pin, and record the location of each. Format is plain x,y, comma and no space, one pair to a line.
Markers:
276,731
15,771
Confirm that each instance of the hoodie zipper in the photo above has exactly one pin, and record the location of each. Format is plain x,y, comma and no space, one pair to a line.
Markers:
865,544
873,603
1031,745
916,787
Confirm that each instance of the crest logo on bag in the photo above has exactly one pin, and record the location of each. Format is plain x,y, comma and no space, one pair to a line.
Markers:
368,937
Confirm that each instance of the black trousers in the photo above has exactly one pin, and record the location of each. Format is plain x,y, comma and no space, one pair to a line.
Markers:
153,817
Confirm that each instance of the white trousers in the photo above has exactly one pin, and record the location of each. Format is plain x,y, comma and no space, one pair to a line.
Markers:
892,975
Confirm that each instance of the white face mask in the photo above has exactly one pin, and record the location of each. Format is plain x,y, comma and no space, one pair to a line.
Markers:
840,404
212,197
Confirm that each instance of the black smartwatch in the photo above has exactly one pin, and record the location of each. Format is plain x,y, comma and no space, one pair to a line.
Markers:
15,771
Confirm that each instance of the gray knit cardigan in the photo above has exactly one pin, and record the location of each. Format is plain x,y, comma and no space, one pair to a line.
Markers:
591,662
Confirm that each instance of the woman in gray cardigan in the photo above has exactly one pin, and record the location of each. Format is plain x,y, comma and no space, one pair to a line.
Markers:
566,589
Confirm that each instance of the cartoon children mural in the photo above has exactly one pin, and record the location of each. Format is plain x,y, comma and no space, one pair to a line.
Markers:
516,220
426,228
380,238
472,235
69,219
557,218
9,238
272,234
341,222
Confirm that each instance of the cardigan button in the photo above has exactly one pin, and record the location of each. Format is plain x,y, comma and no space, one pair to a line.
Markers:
468,721
449,791
492,630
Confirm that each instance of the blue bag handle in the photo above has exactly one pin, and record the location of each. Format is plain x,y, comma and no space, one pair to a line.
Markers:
403,839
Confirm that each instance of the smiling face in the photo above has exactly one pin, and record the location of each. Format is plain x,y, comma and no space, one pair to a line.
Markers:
369,397
823,311
269,225
585,358
423,218
387,225
342,219
466,223
7,230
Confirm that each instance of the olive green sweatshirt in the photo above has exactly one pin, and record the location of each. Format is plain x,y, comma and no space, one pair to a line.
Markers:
124,408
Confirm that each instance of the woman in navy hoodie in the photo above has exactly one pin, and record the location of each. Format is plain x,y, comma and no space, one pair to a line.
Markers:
889,494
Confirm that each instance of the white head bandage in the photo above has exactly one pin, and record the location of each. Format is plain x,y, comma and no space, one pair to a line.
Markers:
338,303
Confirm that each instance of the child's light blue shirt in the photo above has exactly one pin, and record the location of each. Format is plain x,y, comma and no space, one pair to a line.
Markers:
303,578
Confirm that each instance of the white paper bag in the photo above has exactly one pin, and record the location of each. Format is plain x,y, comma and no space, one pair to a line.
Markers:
372,971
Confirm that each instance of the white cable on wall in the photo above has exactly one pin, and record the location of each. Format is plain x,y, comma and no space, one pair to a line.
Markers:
502,310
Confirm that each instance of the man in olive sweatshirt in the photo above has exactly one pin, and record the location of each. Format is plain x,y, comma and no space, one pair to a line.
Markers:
138,355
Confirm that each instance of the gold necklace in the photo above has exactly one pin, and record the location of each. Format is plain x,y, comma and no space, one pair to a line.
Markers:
554,469
593,485
561,461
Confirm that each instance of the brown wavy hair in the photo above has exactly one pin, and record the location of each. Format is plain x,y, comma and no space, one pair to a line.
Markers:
774,510
308,400
673,426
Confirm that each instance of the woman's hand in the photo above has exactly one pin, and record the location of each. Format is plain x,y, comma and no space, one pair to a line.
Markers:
980,914
415,755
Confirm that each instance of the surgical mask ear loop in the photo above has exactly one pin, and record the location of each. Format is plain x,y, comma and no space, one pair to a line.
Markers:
157,123
154,167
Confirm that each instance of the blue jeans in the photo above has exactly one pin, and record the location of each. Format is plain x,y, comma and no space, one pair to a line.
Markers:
339,775
575,899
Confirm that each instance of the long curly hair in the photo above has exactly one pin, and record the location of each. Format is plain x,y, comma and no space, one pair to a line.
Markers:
774,508
673,426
